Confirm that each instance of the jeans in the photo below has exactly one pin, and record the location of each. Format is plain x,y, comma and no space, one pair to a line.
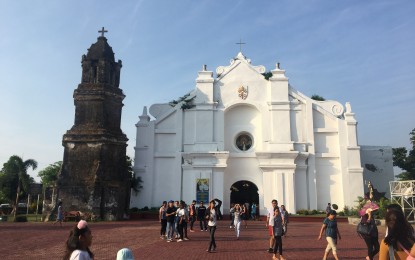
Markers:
183,229
212,243
180,229
170,230
232,220
204,222
192,221
237,228
372,244
277,245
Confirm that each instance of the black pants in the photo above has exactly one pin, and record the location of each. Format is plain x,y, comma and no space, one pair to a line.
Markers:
212,244
192,221
278,245
204,226
182,227
372,244
163,227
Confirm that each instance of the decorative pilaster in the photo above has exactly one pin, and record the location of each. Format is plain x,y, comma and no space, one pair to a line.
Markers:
279,105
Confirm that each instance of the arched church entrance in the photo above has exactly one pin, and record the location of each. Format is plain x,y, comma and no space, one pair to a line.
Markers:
244,192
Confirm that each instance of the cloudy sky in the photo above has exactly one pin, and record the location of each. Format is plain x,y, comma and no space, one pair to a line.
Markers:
357,51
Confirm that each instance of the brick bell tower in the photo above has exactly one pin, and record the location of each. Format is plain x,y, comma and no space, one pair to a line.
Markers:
93,177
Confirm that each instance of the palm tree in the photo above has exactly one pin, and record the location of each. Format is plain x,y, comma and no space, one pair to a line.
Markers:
16,165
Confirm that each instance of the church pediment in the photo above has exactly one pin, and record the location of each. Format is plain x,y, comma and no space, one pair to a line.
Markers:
240,59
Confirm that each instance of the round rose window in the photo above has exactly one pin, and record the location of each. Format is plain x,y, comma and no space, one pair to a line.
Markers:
244,141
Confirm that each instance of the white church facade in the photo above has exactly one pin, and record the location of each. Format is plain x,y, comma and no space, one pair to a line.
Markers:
240,137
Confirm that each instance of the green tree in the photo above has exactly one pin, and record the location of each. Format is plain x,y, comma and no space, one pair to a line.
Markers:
15,166
317,97
135,180
8,186
267,75
405,160
49,175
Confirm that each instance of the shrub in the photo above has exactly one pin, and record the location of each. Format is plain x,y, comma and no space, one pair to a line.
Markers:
314,212
134,210
301,211
21,219
341,213
383,204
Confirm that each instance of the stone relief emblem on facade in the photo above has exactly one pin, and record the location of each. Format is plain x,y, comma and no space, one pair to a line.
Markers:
243,92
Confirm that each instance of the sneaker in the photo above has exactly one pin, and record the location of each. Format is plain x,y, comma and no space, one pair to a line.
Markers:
270,250
191,230
201,230
168,240
186,238
230,226
205,229
179,240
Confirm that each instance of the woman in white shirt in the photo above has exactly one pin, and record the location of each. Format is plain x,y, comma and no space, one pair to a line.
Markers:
211,216
237,211
78,243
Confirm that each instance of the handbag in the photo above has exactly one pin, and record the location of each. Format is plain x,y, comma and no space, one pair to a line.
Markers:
364,229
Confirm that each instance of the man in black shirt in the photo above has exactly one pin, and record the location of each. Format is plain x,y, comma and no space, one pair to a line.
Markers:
170,215
201,210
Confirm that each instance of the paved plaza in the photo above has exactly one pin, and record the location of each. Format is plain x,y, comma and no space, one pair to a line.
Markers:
45,241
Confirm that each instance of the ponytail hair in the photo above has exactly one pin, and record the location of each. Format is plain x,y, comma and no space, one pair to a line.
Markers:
73,242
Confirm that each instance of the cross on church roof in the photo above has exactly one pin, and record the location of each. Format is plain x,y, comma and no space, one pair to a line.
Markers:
102,31
240,44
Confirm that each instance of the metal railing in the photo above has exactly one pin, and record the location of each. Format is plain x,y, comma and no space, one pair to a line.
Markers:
403,193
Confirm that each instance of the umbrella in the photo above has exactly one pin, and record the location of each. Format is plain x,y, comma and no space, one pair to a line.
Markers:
369,205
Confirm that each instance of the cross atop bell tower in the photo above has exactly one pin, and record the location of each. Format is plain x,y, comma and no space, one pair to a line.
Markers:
103,31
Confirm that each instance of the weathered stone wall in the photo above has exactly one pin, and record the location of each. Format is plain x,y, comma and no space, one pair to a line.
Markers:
93,178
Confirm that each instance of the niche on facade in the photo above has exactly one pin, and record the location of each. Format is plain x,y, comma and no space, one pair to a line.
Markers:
244,141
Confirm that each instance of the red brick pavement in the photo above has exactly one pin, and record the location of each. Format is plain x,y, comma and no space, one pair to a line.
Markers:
45,241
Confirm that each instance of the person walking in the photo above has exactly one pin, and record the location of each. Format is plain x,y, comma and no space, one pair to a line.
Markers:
232,216
277,232
212,216
328,209
217,207
400,238
244,215
332,233
253,211
201,211
163,219
371,240
170,216
270,225
78,243
59,217
237,212
192,215
285,216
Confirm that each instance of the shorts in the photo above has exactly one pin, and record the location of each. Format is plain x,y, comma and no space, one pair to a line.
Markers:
270,228
331,245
